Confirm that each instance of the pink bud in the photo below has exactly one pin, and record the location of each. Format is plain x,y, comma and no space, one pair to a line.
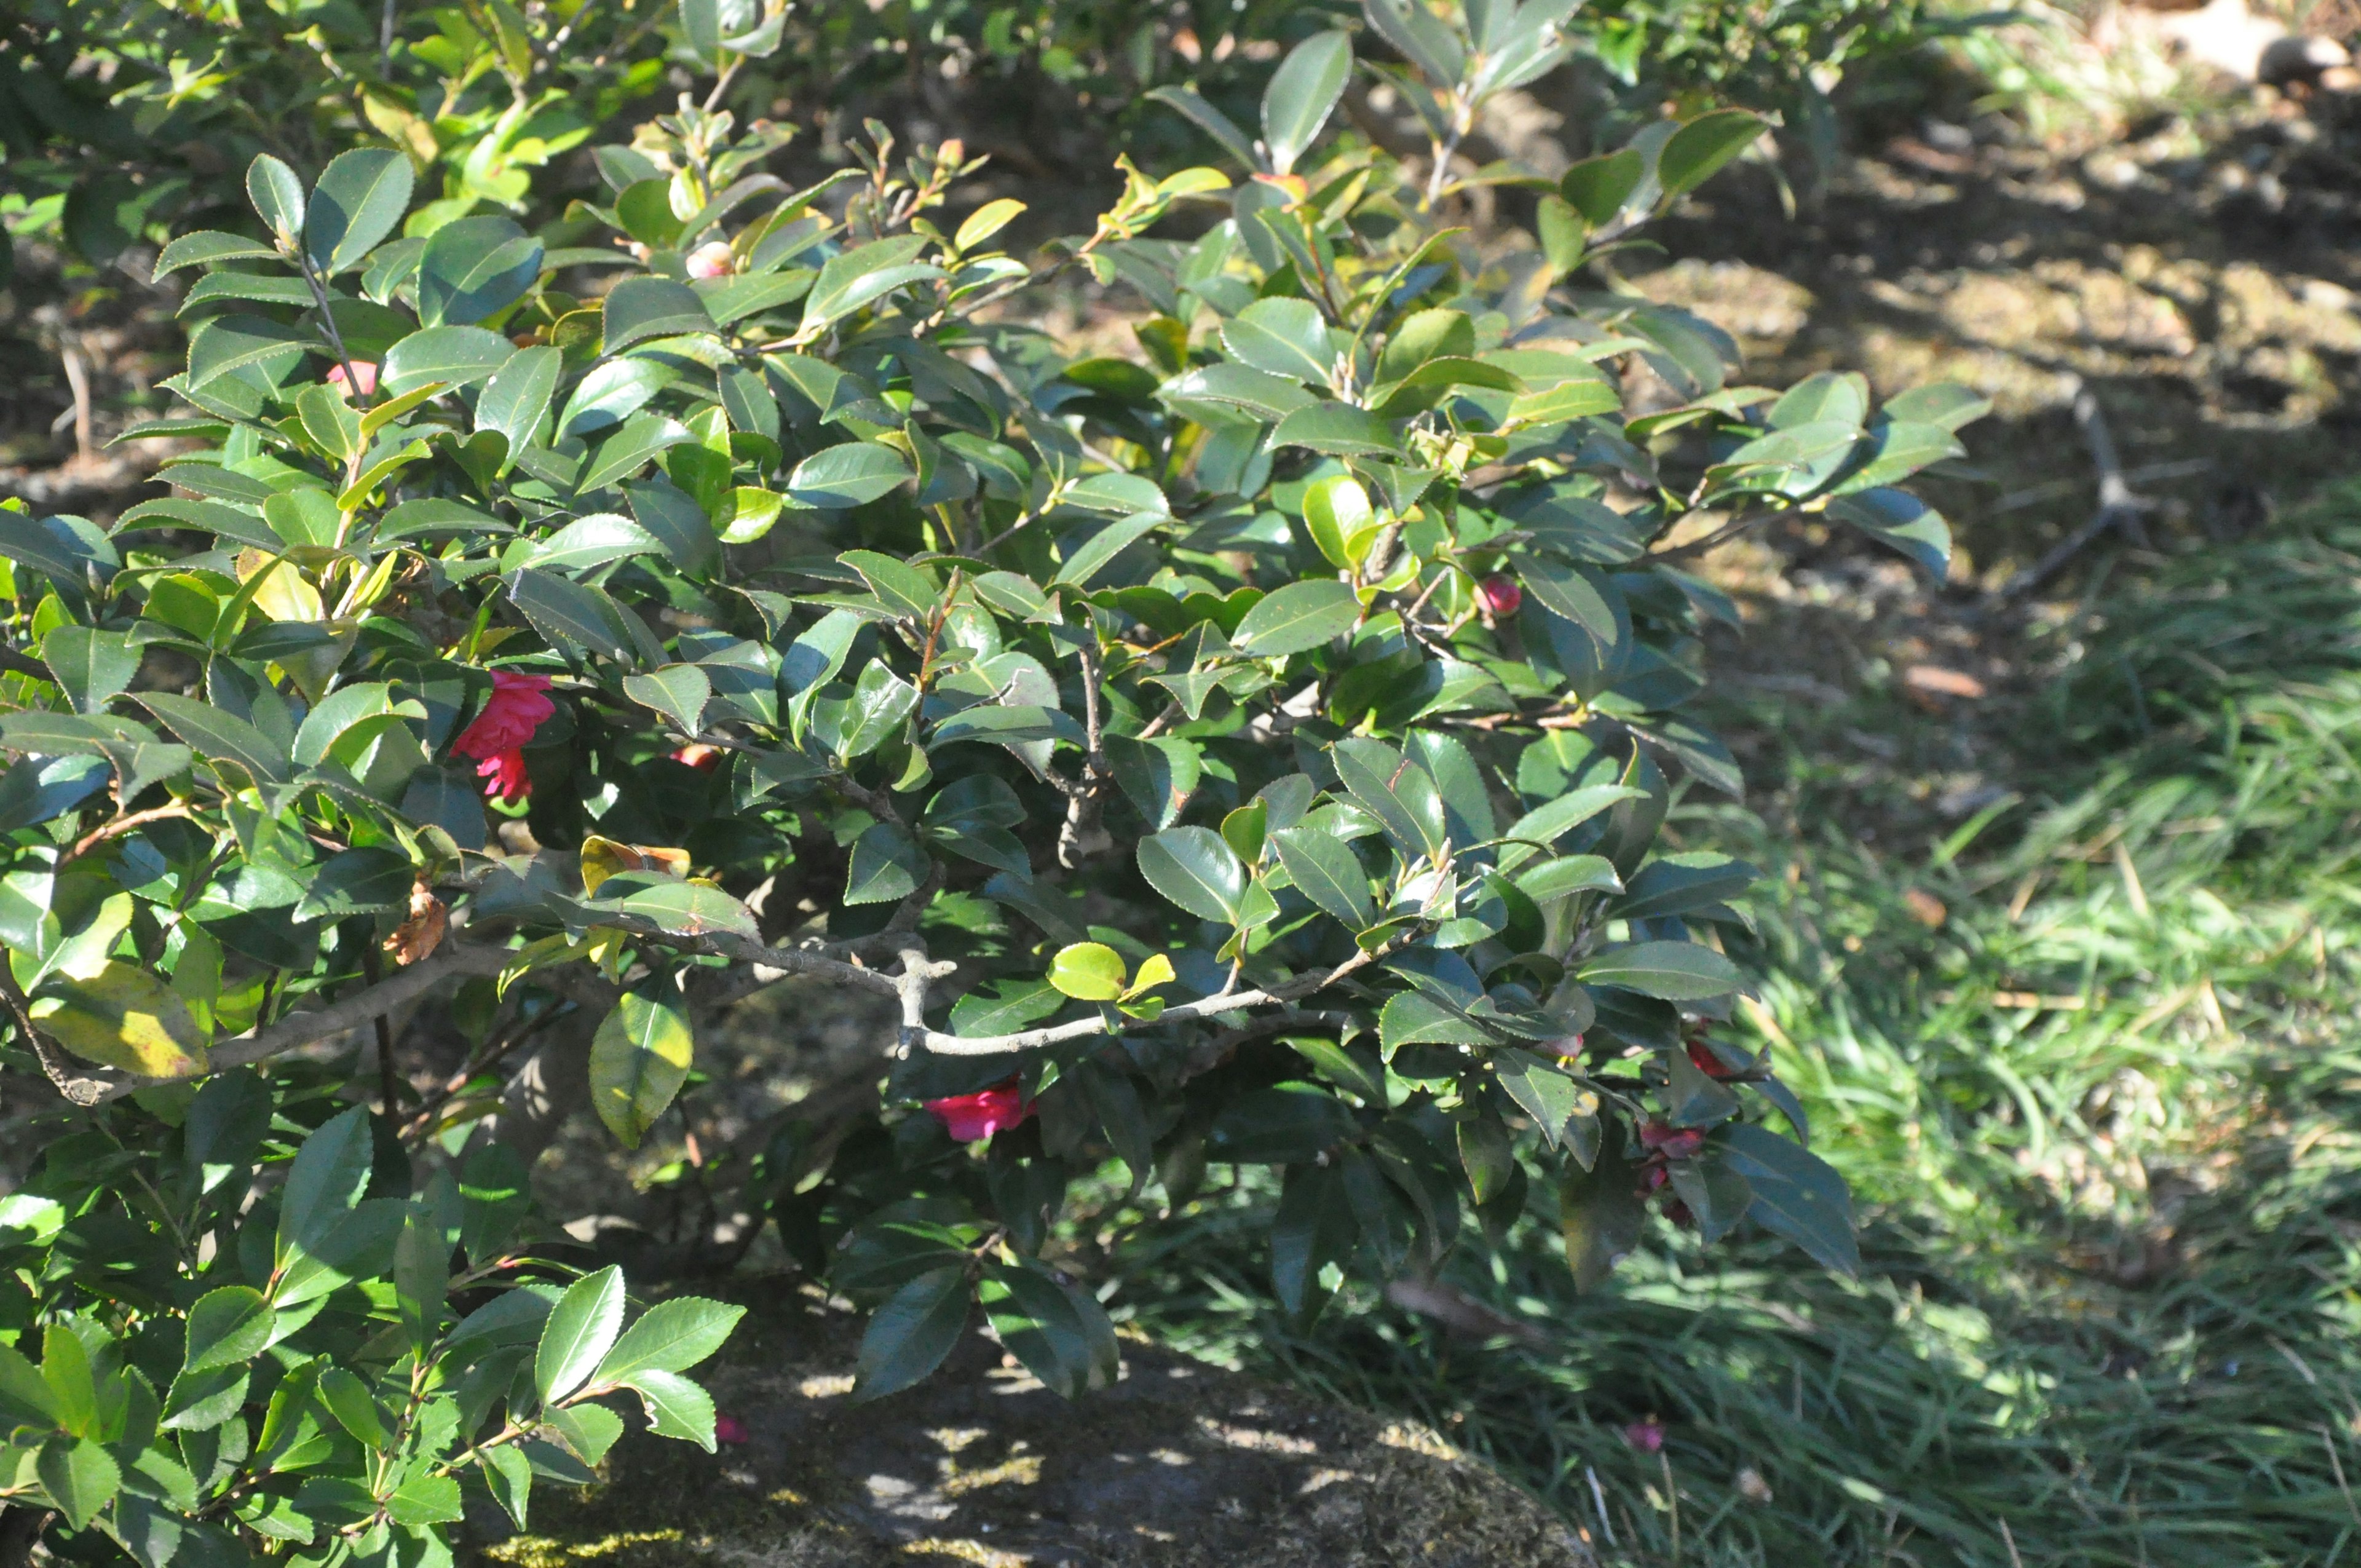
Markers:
711,259
729,1428
363,372
1648,1437
1500,594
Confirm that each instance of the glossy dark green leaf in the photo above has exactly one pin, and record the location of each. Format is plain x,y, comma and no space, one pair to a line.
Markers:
516,399
642,308
1302,93
850,474
1298,617
628,449
886,865
1797,1194
1195,869
1598,187
909,1336
90,665
1397,792
679,692
582,1328
452,356
1701,147
361,197
324,1183
639,1058
1326,872
357,882
1674,971
1900,521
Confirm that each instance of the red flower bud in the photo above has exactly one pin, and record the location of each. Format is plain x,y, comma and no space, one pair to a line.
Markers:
1500,594
729,1428
363,372
1673,1143
1647,1436
698,755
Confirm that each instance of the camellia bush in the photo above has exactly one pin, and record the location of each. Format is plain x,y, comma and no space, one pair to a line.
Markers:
1248,750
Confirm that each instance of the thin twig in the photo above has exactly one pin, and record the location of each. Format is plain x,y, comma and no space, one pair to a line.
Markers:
119,825
2120,509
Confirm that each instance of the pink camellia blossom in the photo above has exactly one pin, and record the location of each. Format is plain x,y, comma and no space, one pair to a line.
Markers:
363,372
1500,594
729,1428
967,1117
711,259
1647,1436
497,738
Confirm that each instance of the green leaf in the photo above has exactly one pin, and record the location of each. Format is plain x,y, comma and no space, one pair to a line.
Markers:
1598,187
1577,592
366,880
324,1182
226,344
676,1407
124,1017
1298,617
903,589
627,451
569,614
1700,148
361,197
679,692
1412,1018
1399,792
1237,386
1343,524
850,474
1901,521
1340,430
671,1336
223,735
639,1060
1195,869
333,425
582,1328
1548,1094
24,1393
1091,557
80,1476
1569,874
1424,39
426,1499
1302,93
1674,971
1009,726
886,865
911,1333
1325,870
278,197
680,908
1601,1213
676,520
1797,1194
862,274
1212,121
202,247
91,665
640,308
347,1398
1283,336
454,356
1157,775
509,1474
1061,1333
1089,972
517,397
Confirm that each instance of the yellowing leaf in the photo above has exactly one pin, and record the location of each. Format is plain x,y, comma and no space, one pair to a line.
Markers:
602,857
124,1017
639,1060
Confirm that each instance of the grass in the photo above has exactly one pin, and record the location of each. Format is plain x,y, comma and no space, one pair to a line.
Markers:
2113,1236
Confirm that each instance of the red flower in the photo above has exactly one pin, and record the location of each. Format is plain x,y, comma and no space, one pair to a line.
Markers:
1671,1142
1647,1436
498,737
729,1428
699,756
967,1117
1500,594
363,372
